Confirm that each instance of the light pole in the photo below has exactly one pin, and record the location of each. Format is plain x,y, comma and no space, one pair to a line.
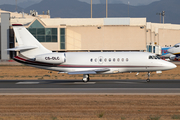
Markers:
163,14
106,8
128,8
91,8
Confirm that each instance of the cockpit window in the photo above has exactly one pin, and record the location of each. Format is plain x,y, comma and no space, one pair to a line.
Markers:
154,57
176,46
150,57
158,57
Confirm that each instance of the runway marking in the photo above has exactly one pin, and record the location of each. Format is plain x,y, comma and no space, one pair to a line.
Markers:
84,82
27,83
80,83
130,82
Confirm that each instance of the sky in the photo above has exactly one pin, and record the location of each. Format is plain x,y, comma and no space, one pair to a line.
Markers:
132,2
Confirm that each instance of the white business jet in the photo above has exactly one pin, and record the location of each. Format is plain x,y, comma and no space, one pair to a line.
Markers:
32,53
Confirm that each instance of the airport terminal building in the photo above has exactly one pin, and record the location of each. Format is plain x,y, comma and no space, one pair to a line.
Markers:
88,34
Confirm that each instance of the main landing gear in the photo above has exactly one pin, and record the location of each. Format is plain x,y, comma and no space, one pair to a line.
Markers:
86,78
148,80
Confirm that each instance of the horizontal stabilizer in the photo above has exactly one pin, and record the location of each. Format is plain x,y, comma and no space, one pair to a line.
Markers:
21,48
89,72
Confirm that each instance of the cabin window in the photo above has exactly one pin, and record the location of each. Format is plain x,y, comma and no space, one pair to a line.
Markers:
105,59
91,60
118,59
122,59
95,59
109,59
100,60
127,59
114,59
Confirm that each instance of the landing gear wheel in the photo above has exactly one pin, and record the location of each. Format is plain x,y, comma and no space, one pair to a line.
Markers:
85,78
148,80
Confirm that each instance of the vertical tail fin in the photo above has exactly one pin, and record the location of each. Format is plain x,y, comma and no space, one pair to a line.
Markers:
29,46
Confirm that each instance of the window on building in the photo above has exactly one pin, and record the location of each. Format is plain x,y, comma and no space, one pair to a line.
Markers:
48,38
41,38
32,31
43,34
40,31
54,38
54,31
36,24
48,31
48,34
63,46
62,38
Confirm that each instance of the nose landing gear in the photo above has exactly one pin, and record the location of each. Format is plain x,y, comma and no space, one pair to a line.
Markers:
86,78
148,80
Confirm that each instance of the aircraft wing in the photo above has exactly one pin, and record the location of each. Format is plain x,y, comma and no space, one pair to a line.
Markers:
95,71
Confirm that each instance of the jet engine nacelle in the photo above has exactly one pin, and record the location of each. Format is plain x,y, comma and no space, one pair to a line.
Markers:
172,57
52,58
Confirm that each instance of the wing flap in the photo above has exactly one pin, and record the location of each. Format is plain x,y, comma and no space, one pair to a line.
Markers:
89,71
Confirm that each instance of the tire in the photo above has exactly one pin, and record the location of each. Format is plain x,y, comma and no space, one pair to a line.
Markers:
148,80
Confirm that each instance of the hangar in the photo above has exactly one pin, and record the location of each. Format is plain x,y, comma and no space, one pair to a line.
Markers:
88,34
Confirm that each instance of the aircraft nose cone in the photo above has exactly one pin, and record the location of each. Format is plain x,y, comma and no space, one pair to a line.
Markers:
174,66
168,65
170,50
171,65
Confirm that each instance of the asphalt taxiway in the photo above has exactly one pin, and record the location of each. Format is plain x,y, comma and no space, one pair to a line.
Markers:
50,87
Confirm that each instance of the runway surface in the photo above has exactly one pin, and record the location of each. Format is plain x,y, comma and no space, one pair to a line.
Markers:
53,87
